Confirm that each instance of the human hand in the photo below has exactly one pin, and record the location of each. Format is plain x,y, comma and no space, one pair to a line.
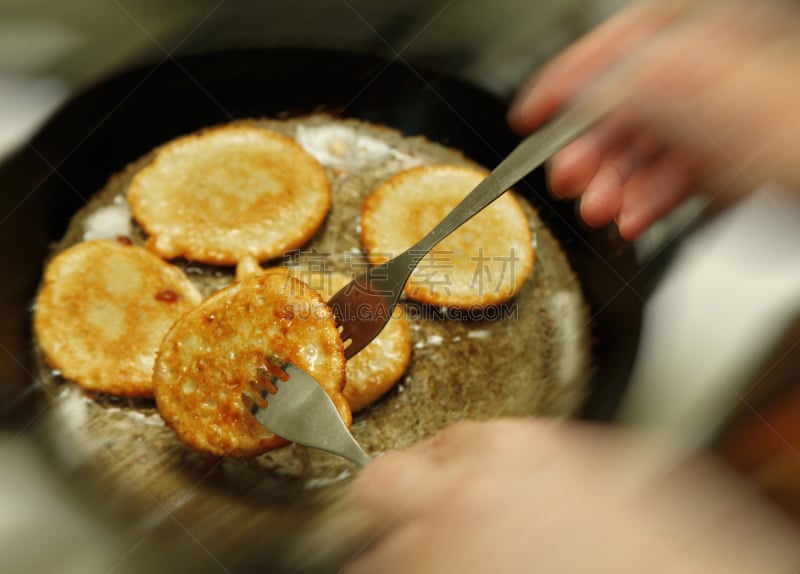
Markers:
707,97
542,496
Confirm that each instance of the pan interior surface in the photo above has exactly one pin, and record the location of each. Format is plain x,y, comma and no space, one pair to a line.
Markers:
529,356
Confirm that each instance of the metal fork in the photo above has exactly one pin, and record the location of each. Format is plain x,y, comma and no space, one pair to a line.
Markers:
302,412
363,306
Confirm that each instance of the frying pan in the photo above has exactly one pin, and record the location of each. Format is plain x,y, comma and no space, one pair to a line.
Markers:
101,130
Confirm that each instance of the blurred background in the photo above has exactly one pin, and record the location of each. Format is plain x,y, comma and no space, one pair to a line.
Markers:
51,49
720,325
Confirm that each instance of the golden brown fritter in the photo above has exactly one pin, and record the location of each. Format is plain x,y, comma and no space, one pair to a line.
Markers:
377,367
221,194
214,353
483,263
102,311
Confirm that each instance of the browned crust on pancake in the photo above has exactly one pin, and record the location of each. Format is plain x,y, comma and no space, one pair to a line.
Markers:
209,358
374,370
484,263
227,192
102,311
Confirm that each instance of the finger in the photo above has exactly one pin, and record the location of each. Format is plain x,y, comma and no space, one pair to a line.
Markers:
601,201
651,193
410,549
447,444
388,484
569,74
572,170
398,483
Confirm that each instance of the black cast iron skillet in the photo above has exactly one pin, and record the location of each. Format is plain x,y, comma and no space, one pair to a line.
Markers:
100,131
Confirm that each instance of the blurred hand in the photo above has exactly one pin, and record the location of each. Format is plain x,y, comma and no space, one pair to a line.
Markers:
709,98
541,496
